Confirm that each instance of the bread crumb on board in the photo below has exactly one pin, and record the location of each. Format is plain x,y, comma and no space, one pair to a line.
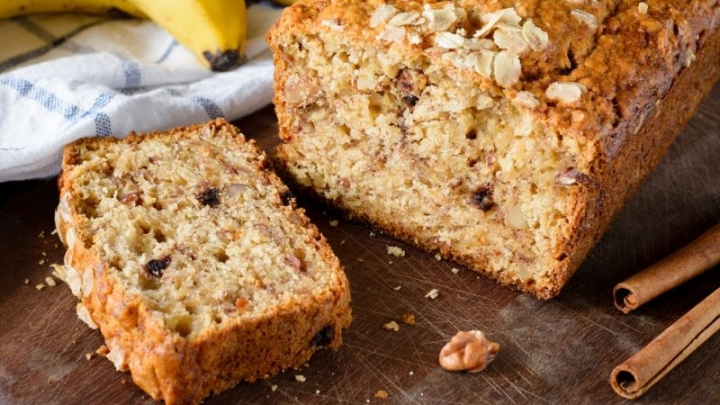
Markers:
102,350
300,378
395,251
409,319
382,394
59,271
392,325
432,294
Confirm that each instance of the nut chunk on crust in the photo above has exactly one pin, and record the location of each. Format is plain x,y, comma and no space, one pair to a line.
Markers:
468,351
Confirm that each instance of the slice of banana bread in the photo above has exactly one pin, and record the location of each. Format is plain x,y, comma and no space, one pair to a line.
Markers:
502,134
193,260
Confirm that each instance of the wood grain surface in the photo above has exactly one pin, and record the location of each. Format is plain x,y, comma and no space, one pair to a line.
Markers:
559,351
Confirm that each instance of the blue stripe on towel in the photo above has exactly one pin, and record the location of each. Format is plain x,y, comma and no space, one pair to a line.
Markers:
211,109
133,74
52,43
42,97
103,127
22,58
168,51
102,100
56,105
35,29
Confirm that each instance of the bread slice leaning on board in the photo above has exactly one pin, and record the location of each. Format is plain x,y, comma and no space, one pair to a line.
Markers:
193,260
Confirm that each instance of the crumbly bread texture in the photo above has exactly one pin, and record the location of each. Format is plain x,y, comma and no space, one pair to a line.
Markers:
193,260
502,134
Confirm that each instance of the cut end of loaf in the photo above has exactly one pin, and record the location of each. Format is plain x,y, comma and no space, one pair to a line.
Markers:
426,151
186,246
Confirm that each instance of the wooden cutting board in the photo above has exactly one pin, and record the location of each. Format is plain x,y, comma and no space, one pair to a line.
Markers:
559,351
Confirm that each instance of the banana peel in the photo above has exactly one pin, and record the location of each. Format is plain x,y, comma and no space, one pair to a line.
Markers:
213,30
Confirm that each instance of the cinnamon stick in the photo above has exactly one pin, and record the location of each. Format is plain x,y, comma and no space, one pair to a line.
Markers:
690,261
648,366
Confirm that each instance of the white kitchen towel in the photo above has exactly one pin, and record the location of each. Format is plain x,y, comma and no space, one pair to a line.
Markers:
63,77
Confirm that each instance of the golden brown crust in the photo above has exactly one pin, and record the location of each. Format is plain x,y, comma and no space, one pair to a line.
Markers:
180,369
662,42
622,176
643,71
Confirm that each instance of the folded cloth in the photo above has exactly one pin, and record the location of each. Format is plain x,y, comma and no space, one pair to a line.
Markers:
63,77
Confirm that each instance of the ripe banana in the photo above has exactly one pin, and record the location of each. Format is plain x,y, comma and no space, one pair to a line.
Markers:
10,8
214,30
285,2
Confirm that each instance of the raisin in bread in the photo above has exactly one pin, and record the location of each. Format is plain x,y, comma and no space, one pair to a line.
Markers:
502,134
193,260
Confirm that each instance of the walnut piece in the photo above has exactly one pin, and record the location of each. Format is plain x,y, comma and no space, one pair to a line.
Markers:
468,351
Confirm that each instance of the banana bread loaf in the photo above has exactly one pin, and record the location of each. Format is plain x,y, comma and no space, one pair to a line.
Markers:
502,134
193,260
